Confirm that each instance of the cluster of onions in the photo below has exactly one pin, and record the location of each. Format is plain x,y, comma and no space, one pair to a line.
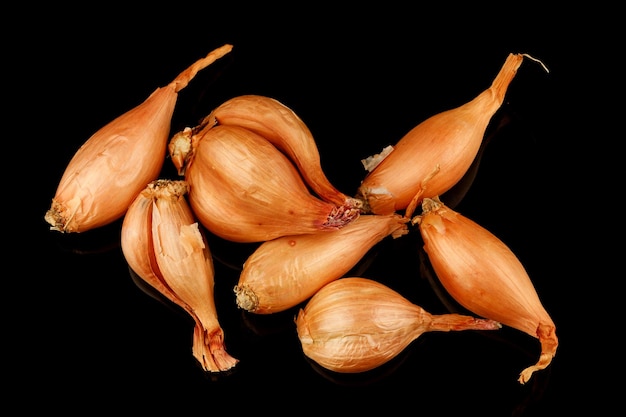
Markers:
252,173
474,266
114,175
478,269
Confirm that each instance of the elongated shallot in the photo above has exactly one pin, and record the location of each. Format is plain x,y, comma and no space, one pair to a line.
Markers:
484,275
163,245
119,160
433,156
286,271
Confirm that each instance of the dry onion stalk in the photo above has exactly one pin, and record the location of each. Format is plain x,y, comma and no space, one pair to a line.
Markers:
119,160
244,189
446,142
164,246
288,270
483,275
356,324
283,127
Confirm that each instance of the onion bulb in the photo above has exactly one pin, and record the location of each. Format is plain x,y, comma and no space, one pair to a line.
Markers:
119,160
244,189
164,246
484,275
445,143
356,324
283,127
288,270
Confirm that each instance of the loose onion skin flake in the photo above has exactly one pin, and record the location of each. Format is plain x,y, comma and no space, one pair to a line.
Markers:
483,275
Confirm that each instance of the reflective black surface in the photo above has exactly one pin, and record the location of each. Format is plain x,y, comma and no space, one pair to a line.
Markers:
96,340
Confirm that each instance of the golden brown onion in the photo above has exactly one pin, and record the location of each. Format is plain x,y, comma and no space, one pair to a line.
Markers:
356,324
119,160
243,189
283,127
286,271
444,144
164,246
484,275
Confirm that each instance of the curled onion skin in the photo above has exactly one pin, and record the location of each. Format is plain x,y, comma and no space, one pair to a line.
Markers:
244,189
356,324
484,275
433,156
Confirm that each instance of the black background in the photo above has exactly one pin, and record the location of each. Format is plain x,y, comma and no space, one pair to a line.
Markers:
85,337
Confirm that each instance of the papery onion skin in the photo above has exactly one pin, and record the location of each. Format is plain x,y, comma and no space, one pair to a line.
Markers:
356,324
285,129
119,160
185,261
484,275
243,189
286,271
164,246
138,250
108,171
445,143
137,246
